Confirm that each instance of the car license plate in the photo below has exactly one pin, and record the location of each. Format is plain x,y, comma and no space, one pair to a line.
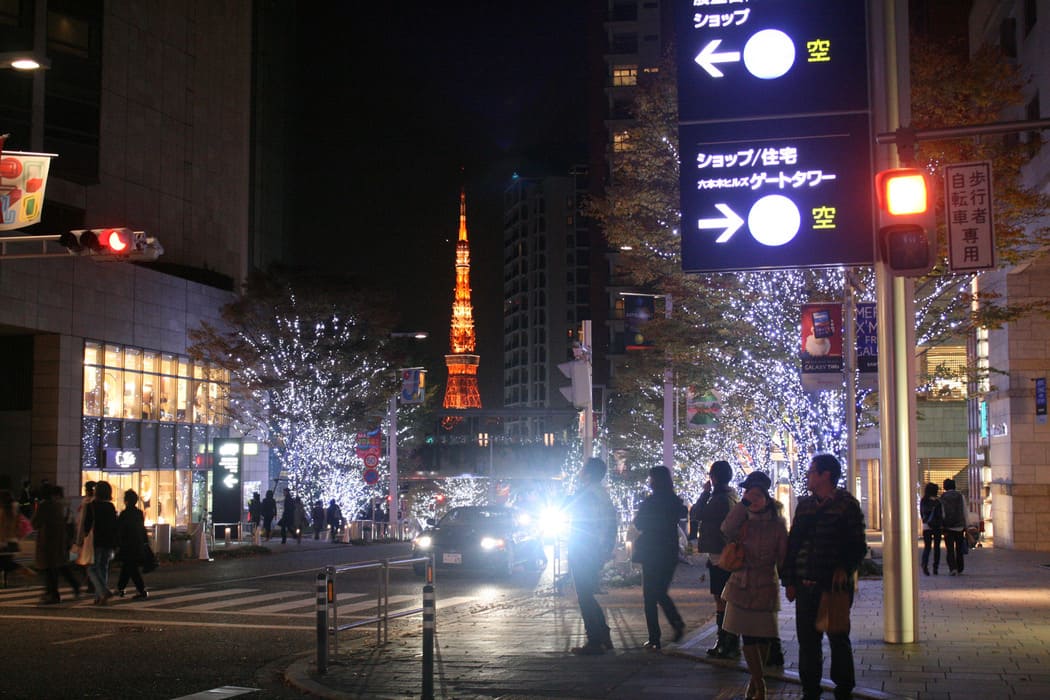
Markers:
451,558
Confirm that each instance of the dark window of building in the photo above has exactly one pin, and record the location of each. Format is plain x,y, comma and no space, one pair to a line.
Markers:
624,12
624,43
1008,37
1030,16
1032,110
16,373
73,94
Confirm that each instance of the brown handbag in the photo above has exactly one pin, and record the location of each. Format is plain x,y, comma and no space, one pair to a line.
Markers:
732,556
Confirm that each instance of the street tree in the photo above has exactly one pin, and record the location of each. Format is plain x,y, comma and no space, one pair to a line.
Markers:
309,365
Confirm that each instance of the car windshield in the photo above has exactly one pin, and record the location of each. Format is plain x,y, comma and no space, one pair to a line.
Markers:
476,516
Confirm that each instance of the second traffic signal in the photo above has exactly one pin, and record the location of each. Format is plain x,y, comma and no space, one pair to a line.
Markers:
117,242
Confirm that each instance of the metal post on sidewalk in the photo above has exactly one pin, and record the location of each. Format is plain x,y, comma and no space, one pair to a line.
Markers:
428,634
322,622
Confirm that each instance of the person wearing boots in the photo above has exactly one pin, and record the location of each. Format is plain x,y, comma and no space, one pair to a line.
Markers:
714,504
826,546
752,593
932,521
656,549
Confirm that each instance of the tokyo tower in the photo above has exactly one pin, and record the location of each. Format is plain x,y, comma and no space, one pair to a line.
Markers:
461,391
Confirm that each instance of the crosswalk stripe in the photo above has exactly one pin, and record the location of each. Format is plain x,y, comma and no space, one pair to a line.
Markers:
304,602
149,603
243,600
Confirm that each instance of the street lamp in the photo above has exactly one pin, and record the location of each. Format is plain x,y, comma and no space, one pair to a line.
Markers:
23,61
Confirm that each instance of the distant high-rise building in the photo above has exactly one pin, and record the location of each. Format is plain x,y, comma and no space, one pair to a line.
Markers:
546,282
461,390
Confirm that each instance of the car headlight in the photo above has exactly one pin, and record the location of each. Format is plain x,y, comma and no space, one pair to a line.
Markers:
554,522
423,542
490,543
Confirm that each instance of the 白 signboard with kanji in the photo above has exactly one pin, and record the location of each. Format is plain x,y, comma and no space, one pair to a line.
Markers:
968,208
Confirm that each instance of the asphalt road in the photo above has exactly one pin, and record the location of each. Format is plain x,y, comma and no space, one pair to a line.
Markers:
234,623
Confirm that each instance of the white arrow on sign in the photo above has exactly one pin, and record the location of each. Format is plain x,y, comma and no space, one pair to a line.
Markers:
707,58
230,481
731,223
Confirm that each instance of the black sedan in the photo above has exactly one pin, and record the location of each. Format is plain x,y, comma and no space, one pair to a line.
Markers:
488,538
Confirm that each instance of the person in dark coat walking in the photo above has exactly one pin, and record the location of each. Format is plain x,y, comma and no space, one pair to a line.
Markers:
656,549
131,543
269,512
716,500
101,520
317,518
287,521
932,517
334,518
52,543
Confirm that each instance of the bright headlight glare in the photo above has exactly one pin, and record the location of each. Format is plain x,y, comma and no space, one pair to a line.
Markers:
424,541
491,543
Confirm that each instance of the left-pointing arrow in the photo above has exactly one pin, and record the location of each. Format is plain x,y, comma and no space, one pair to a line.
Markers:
707,58
730,224
230,481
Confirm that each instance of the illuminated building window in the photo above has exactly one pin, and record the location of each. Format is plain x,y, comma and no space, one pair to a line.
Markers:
623,76
943,373
621,141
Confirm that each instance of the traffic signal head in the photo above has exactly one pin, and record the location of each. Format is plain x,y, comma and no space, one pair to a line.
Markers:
907,230
111,244
579,392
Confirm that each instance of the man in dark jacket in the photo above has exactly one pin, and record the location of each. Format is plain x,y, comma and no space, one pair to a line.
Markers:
52,544
269,512
591,540
714,504
825,548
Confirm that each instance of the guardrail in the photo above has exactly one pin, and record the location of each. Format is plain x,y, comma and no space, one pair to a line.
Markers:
328,625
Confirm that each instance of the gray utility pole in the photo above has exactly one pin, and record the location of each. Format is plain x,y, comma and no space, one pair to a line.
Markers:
896,337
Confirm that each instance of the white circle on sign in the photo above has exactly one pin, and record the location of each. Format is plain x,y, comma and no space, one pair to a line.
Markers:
769,54
774,220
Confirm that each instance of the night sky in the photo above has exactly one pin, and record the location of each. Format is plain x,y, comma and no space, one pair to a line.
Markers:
411,100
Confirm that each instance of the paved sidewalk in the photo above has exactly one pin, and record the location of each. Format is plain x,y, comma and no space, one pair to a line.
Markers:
985,634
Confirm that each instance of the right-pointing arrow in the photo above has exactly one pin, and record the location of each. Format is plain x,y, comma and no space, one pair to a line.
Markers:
731,223
707,58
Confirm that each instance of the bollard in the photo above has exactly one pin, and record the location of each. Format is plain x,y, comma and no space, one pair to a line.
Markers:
322,623
428,637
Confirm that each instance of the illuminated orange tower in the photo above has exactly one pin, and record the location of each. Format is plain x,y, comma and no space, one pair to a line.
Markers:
461,391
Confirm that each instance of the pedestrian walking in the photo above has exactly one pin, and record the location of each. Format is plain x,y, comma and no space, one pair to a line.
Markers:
826,545
9,547
656,549
255,516
269,512
131,545
287,520
334,517
752,593
52,543
101,523
953,509
716,500
298,520
932,516
317,519
592,536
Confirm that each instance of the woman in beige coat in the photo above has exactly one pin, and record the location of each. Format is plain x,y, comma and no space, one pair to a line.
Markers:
753,592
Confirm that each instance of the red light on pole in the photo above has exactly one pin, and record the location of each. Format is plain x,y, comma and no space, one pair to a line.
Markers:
907,231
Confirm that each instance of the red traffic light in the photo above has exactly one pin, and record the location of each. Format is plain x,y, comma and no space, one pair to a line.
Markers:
116,240
907,230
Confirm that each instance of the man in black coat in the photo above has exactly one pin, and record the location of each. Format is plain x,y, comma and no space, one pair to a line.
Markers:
591,540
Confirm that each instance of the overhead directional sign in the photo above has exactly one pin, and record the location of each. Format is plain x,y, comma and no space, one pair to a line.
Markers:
740,60
775,134
774,194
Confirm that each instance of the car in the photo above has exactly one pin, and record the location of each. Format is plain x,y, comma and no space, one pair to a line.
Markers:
494,539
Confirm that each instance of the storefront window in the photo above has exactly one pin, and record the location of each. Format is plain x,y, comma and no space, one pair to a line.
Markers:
92,380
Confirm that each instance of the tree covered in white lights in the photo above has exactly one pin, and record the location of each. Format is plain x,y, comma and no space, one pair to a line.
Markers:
309,368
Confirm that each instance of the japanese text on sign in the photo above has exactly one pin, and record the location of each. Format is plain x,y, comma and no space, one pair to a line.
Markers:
968,205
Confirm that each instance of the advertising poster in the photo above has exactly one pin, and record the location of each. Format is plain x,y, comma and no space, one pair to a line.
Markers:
821,346
701,409
23,179
867,346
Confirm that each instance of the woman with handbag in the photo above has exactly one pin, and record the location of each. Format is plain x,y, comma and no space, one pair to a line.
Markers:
132,543
752,593
656,549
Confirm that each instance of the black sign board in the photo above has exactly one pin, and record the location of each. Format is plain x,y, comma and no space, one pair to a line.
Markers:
226,480
774,134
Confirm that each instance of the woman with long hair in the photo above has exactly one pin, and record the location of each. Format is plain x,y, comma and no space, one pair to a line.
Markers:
656,548
100,521
752,593
932,523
